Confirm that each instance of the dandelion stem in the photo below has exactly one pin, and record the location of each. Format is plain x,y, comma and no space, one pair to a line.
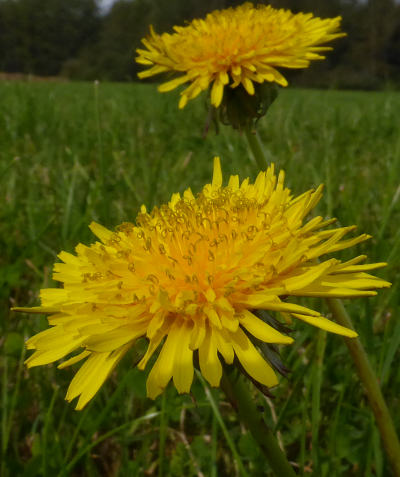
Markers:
256,147
363,366
239,396
372,388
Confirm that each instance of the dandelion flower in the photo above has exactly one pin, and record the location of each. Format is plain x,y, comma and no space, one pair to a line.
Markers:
236,46
189,277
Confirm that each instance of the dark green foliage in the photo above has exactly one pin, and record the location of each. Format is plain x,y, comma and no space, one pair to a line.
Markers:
73,153
38,36
74,39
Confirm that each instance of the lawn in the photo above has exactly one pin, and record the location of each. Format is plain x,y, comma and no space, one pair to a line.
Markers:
71,153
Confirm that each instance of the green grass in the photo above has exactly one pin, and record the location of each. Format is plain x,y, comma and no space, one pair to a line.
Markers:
72,153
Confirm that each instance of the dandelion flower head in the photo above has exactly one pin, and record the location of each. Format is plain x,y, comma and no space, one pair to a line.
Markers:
236,46
189,277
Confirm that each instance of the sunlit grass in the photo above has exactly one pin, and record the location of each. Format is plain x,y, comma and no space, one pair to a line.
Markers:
73,153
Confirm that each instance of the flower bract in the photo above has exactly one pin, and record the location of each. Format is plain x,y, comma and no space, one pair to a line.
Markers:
236,47
189,277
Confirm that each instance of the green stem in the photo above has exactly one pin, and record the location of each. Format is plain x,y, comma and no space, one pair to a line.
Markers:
238,395
360,358
372,389
256,147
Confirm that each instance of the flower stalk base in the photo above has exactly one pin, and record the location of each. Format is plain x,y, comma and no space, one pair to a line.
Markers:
239,396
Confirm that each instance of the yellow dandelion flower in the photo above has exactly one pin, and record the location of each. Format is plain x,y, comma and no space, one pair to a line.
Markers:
189,276
236,46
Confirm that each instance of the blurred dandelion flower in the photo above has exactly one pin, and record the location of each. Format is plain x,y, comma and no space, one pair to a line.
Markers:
236,46
189,277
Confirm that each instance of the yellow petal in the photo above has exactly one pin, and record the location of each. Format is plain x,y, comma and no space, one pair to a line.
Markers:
360,268
53,338
101,232
349,243
327,325
236,70
74,359
92,366
248,85
51,297
251,359
69,258
224,345
153,345
152,71
35,309
162,370
229,321
359,281
183,361
233,182
170,85
198,335
223,77
217,175
300,281
320,291
100,372
217,92
183,101
114,339
210,364
41,357
156,322
213,316
262,330
266,303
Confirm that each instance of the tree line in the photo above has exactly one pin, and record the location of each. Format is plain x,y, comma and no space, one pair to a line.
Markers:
76,39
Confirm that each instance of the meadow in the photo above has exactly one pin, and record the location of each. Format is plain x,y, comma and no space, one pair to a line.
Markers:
71,153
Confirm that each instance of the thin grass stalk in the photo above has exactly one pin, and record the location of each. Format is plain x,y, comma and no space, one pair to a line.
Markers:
84,450
214,447
317,381
45,435
99,134
90,429
163,435
217,414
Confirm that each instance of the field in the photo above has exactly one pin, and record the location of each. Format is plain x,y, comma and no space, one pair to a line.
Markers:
71,153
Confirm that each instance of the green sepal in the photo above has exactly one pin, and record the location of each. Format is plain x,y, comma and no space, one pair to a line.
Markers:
241,110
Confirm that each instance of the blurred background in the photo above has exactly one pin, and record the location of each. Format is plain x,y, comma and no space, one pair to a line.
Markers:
96,39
